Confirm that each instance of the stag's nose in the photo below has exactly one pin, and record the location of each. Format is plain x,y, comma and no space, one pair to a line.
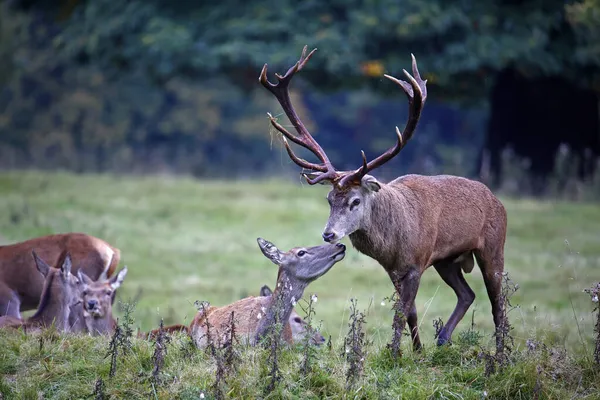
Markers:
341,246
328,236
91,304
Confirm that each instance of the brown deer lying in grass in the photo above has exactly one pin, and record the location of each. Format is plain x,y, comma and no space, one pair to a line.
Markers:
60,292
94,314
412,222
299,329
255,317
21,284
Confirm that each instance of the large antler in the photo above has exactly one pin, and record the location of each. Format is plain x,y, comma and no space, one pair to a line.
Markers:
304,138
416,91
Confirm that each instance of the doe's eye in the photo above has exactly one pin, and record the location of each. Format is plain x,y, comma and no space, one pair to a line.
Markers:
297,320
355,202
301,253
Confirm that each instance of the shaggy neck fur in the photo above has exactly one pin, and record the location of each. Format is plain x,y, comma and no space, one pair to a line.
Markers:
51,310
386,221
281,304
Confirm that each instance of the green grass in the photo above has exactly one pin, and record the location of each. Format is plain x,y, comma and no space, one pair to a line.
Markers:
185,240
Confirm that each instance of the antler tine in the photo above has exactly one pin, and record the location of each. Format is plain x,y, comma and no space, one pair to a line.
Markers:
304,138
416,92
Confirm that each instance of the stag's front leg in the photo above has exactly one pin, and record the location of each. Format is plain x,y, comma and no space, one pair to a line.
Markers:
406,285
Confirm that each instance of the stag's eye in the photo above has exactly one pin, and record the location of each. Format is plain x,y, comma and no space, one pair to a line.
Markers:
354,203
301,253
85,292
297,320
108,292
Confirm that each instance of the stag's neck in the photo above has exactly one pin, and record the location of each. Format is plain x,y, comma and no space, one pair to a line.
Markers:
389,223
285,296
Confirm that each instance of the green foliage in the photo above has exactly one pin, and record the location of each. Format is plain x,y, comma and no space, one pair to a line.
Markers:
455,41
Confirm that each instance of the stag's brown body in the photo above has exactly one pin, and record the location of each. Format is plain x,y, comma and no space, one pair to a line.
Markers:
412,222
20,282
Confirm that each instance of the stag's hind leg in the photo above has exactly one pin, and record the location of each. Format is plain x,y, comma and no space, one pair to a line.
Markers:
451,273
492,267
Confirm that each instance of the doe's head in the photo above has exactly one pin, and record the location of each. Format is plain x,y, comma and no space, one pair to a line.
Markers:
304,263
97,295
61,286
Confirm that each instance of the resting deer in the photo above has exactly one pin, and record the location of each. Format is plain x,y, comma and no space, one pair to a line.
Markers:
412,222
255,317
60,292
21,284
298,326
299,329
94,314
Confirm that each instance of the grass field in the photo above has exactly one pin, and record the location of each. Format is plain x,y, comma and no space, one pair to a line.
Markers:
185,240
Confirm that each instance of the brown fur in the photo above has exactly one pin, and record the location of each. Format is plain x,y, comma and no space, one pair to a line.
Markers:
246,316
417,221
20,282
167,329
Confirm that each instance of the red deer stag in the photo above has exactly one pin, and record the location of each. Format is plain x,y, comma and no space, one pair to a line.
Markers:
412,222
255,317
21,284
94,315
60,293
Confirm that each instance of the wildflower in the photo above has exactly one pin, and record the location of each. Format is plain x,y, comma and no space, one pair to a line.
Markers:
201,395
313,298
595,298
383,304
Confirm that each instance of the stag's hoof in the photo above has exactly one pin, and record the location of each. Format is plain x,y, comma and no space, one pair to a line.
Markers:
443,337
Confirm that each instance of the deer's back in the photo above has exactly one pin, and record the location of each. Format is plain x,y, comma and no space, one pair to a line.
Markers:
19,272
247,314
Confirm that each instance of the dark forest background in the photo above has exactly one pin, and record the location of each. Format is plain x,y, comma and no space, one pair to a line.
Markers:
172,86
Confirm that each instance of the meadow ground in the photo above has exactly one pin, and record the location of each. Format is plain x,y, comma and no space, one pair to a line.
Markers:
185,240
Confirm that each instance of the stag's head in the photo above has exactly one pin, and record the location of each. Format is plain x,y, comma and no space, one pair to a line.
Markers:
352,191
97,295
303,264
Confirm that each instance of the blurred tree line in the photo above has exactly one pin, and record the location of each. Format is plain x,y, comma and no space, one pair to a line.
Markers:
134,85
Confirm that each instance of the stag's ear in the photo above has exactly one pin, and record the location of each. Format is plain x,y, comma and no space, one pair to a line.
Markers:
118,279
65,268
83,277
265,291
370,183
313,175
40,264
270,250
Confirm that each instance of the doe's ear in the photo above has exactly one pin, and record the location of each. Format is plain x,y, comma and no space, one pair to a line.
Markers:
370,183
118,279
40,264
270,251
265,291
65,268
